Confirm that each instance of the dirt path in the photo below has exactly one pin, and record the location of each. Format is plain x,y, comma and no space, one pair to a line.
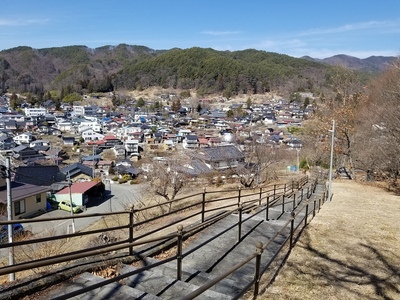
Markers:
351,250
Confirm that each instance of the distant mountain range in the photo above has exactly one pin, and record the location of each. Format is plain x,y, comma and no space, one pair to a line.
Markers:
81,69
372,64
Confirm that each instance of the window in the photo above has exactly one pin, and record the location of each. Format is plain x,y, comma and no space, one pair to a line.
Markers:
38,198
19,207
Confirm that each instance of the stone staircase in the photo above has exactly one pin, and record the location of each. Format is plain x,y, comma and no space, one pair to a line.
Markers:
211,253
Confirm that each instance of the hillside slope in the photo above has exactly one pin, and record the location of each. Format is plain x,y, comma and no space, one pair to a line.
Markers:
349,250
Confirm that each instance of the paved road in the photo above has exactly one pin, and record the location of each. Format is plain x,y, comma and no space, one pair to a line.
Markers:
119,197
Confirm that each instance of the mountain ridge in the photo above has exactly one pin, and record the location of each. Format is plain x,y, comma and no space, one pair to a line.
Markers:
82,69
370,64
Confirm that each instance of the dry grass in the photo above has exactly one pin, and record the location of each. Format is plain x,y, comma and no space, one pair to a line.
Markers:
351,250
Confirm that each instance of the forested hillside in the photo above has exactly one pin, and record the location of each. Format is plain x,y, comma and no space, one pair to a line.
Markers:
81,69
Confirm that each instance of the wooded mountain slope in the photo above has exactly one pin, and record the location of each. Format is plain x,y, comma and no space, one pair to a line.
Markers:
81,69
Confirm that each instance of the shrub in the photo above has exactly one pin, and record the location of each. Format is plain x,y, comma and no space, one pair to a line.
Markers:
304,164
219,181
125,178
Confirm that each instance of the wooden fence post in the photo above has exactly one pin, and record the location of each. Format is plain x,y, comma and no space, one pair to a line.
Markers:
294,201
305,219
203,206
239,195
259,251
292,229
315,205
131,223
179,253
240,222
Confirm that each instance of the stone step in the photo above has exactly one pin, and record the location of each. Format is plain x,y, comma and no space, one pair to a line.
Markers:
221,254
199,278
207,262
110,291
157,283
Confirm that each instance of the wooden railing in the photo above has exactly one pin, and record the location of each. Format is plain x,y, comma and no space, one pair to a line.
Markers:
202,214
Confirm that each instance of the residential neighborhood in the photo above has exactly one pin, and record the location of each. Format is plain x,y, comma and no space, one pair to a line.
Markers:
70,151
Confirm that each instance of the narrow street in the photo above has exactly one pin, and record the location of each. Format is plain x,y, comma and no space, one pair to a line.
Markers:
118,197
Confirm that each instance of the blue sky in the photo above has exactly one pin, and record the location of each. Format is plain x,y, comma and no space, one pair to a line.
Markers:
320,29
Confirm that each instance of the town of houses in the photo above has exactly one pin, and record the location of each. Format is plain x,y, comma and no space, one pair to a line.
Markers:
35,139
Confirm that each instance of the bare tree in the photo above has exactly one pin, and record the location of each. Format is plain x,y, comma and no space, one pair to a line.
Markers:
381,125
108,154
167,178
344,82
346,118
257,166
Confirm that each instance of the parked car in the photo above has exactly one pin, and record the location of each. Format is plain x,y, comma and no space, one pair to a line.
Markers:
66,205
18,231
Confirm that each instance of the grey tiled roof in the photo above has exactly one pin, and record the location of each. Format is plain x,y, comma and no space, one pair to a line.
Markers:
220,153
77,168
38,175
22,190
197,167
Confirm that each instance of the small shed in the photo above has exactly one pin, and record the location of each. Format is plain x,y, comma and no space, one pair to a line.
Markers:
80,192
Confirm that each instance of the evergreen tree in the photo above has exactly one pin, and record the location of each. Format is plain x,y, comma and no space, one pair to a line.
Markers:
176,105
140,102
248,103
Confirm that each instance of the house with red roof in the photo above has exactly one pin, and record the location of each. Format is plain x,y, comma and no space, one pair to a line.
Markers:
81,192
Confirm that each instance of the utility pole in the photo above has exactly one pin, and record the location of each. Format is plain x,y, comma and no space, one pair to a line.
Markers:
93,167
70,202
331,161
9,217
109,184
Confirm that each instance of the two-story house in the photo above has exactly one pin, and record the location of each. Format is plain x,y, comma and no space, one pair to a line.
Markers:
190,142
65,126
131,146
90,135
90,124
35,111
23,138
